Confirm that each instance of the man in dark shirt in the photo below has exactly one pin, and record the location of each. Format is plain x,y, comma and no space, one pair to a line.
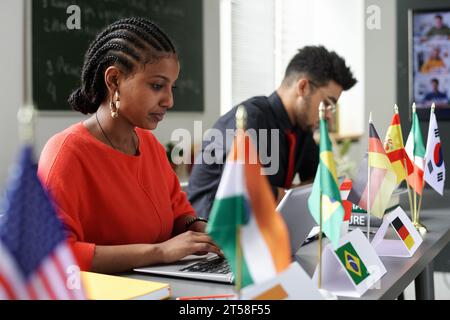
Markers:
288,117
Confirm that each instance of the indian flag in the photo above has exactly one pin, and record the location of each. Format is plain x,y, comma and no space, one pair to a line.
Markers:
243,220
416,152
325,194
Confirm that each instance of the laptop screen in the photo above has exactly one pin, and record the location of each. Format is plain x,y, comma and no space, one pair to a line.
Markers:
294,210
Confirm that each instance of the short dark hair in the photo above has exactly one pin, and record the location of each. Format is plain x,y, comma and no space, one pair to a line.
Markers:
438,16
435,81
321,66
126,43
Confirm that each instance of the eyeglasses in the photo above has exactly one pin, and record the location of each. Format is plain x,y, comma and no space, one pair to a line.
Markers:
330,106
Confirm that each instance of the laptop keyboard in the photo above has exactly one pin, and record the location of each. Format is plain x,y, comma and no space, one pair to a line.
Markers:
219,265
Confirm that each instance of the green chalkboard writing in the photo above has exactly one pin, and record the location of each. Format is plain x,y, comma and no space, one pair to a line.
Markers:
59,45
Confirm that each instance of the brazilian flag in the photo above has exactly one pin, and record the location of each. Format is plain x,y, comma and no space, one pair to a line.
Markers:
352,263
325,190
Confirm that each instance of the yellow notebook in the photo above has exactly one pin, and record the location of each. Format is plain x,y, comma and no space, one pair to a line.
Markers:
105,287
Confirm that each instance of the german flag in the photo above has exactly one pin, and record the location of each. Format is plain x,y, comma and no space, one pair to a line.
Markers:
383,179
395,150
403,232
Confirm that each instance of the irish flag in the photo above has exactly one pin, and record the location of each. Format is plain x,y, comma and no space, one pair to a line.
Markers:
416,152
243,220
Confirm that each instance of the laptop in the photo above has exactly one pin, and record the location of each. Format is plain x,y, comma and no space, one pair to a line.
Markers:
301,225
294,210
208,267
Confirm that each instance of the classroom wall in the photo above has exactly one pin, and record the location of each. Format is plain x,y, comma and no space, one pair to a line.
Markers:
48,125
11,83
380,66
380,77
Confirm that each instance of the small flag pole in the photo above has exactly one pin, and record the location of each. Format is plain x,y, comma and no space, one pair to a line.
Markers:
415,220
320,244
368,188
406,171
420,227
321,116
25,118
415,204
241,119
415,180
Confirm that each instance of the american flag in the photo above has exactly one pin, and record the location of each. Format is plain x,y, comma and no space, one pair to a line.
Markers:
36,262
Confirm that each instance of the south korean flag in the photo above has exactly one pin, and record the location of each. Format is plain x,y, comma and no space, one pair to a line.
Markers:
434,173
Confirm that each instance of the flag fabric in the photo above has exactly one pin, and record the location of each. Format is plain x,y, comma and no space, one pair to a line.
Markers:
325,189
243,218
292,284
275,293
434,173
383,179
352,262
395,150
344,189
416,152
36,262
403,233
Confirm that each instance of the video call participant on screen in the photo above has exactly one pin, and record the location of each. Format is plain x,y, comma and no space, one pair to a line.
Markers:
436,96
314,75
434,63
110,178
439,28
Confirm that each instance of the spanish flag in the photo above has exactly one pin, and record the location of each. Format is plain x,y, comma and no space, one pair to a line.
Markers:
395,149
243,220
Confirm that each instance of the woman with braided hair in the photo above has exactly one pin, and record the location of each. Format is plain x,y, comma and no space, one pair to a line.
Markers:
110,178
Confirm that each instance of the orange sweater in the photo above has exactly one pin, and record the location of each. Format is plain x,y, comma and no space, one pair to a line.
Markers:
105,197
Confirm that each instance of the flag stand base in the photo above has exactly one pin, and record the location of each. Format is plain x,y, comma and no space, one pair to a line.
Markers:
327,295
421,228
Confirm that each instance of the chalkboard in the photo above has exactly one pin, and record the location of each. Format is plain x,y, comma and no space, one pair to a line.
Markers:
59,47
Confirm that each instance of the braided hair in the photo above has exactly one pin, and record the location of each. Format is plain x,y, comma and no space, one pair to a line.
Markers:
127,43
